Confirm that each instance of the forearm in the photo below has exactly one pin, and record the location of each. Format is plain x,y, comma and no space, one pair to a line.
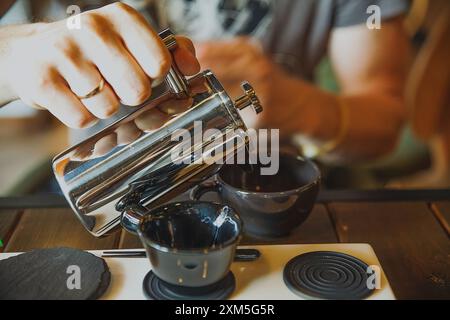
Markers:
375,117
375,124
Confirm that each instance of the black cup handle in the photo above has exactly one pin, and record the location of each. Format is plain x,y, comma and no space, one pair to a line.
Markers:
198,191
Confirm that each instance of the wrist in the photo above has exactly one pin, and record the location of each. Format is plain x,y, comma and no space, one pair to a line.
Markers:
7,93
333,138
9,36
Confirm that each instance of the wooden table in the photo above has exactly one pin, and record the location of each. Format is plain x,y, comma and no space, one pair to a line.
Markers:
409,231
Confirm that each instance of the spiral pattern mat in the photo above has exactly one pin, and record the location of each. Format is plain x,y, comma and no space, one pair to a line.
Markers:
327,275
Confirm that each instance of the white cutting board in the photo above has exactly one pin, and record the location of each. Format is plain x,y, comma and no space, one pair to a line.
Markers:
256,280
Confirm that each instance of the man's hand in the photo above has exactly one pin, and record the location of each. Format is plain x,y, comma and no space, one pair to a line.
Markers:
242,59
237,60
146,121
52,67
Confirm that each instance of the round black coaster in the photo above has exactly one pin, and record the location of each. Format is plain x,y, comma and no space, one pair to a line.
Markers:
53,274
327,275
157,289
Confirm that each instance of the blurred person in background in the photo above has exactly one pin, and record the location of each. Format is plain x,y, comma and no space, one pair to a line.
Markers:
275,45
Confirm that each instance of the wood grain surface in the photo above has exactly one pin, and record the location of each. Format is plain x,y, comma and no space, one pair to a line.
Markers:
48,228
410,238
316,229
8,221
442,213
412,247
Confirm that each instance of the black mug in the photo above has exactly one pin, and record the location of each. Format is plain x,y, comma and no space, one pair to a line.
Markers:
190,244
270,206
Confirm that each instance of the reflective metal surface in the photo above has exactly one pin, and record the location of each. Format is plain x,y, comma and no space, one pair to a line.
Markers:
131,162
116,175
175,80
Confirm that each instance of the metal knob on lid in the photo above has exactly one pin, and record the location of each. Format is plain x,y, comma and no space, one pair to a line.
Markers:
248,99
174,79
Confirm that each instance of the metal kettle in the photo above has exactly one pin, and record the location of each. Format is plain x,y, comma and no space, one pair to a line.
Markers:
112,178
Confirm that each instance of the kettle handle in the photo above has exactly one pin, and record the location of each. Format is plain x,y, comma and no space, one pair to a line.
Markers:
175,80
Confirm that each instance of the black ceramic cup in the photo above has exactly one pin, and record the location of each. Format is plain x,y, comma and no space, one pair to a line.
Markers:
190,244
270,206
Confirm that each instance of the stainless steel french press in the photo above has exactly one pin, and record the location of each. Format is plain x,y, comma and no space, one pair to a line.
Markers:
118,174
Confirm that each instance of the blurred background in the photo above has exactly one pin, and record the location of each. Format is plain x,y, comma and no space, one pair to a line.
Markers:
30,138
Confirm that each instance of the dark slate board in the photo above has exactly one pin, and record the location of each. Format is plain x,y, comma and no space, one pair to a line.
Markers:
43,275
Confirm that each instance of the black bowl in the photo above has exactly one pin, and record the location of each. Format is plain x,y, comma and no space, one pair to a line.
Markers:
270,206
192,243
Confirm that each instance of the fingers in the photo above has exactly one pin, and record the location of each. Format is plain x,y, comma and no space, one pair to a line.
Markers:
146,46
82,152
235,46
118,67
185,57
239,53
222,56
151,120
115,45
104,145
129,54
227,70
216,49
83,77
140,39
57,98
127,133
234,61
173,107
157,117
104,104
